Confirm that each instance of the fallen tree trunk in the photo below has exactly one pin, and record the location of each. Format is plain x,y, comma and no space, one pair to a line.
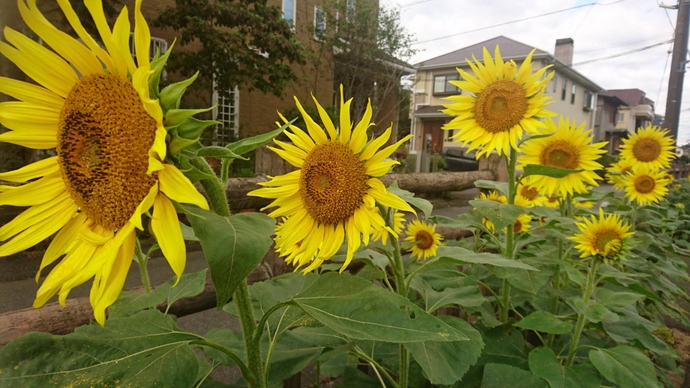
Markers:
418,183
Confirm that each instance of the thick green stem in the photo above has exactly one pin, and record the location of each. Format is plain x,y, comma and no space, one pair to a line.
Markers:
214,188
142,261
510,233
219,203
557,278
581,319
401,288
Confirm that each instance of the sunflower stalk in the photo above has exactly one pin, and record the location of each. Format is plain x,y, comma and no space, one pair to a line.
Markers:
219,203
142,261
581,319
510,233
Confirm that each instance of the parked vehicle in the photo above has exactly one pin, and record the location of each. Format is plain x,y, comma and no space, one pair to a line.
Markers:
458,159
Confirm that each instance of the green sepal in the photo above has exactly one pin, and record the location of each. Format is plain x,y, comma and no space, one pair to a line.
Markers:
175,117
187,133
157,66
171,95
554,172
243,146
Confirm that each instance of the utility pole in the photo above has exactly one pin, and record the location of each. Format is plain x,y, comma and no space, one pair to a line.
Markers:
678,62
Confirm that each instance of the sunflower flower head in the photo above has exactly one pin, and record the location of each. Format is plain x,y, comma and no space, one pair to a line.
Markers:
645,185
528,194
615,173
604,237
650,146
93,103
425,241
522,224
568,147
332,195
494,196
503,102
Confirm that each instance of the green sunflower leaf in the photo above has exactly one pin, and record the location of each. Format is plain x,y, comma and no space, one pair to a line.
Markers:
553,172
625,367
501,187
219,152
233,246
420,203
544,363
187,133
545,322
501,376
499,214
243,146
358,309
192,173
144,350
465,256
444,363
171,95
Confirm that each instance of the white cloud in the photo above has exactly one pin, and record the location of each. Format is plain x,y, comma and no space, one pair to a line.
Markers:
599,31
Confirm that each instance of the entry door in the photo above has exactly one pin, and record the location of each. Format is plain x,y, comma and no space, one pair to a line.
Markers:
433,127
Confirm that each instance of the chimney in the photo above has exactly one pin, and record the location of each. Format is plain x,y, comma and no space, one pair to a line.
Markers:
564,51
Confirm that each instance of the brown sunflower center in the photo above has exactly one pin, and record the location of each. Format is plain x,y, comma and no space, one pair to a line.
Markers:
560,154
604,238
500,106
529,192
517,226
104,136
424,239
333,183
646,150
644,184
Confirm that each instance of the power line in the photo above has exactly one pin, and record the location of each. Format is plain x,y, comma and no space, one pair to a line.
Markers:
623,53
623,43
515,21
663,75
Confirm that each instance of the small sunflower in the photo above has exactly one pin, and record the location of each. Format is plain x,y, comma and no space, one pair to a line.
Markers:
333,193
645,185
492,195
522,224
569,147
553,201
528,194
615,173
426,240
504,102
381,234
650,146
93,106
604,236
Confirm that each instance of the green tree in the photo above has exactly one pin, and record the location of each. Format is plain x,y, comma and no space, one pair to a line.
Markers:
243,43
367,46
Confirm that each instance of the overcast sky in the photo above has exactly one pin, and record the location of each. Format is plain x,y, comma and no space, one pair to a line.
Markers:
600,29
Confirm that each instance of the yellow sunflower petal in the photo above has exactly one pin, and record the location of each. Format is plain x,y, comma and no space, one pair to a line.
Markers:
109,289
166,228
177,187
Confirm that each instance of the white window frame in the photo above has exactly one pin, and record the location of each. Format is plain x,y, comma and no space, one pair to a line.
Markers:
227,111
573,91
350,9
319,32
446,85
620,117
291,21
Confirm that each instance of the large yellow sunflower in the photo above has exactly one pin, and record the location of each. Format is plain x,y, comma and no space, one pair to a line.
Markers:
333,193
92,105
569,147
504,102
645,185
604,236
426,240
528,194
650,146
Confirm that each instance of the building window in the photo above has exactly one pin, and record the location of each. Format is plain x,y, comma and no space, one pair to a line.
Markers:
158,45
564,89
289,12
442,86
554,81
588,103
228,113
572,93
620,117
319,23
350,11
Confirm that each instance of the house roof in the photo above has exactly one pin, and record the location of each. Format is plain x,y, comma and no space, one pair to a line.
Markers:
510,49
430,111
612,99
631,97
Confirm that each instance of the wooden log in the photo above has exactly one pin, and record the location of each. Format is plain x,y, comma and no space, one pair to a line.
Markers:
418,183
